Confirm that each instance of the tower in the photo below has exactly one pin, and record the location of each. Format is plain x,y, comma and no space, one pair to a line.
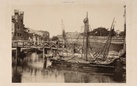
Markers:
21,16
18,26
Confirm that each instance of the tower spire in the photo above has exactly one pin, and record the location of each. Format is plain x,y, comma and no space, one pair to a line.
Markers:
87,14
62,24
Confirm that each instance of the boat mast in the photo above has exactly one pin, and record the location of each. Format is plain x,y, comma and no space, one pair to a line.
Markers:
124,47
86,30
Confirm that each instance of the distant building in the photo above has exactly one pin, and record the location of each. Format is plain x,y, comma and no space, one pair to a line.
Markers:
34,36
37,36
71,35
46,35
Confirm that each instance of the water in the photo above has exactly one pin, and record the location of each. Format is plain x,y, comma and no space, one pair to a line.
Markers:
36,73
53,75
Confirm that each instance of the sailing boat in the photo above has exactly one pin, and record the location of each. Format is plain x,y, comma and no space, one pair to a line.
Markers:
99,60
122,53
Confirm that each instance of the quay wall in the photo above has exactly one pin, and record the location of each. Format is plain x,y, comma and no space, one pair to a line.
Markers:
97,42
102,39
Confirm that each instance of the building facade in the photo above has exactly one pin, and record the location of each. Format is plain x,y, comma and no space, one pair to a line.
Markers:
37,37
45,35
18,32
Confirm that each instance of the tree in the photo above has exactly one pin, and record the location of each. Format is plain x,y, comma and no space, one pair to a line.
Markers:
100,31
54,38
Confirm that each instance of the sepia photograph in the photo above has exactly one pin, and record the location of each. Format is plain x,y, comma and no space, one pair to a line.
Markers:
72,41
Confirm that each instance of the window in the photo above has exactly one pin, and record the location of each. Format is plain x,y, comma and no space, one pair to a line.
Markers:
15,34
21,20
18,34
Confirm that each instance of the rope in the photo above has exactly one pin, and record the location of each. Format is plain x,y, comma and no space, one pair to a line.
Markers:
107,45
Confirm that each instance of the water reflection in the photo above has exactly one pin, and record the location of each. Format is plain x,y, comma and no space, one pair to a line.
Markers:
45,75
53,75
36,73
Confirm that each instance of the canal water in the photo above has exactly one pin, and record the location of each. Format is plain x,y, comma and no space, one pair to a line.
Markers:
35,72
51,75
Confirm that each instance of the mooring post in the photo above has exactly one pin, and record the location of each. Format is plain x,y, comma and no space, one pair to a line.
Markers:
16,58
45,62
43,53
44,58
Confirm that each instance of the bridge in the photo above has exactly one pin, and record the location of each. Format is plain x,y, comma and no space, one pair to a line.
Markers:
20,45
30,44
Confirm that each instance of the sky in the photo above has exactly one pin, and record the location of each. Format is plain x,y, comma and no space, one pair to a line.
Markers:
48,15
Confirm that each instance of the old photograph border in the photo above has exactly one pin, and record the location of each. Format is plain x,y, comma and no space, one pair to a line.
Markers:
7,43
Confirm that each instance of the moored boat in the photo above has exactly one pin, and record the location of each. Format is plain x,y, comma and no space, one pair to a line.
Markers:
99,60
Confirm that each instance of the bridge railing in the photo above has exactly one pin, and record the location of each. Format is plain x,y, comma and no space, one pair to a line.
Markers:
27,44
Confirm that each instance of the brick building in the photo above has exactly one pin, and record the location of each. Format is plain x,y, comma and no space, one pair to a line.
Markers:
18,32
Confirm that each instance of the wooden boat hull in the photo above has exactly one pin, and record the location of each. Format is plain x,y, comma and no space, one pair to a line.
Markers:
101,68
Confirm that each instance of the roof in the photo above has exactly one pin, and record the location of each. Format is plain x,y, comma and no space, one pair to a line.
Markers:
33,31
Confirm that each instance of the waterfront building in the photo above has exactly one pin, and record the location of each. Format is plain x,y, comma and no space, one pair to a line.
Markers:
36,36
45,35
18,32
